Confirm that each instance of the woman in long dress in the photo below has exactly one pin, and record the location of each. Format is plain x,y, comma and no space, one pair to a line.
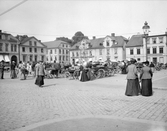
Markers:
132,87
13,70
40,73
146,80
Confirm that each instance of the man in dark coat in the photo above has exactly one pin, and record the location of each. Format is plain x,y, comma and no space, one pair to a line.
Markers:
2,67
57,67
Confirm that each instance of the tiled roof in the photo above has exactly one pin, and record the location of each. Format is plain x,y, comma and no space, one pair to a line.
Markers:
135,40
54,44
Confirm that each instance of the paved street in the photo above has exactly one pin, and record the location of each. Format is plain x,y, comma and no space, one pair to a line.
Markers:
63,104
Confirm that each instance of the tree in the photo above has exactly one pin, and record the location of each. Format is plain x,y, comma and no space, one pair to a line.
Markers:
78,37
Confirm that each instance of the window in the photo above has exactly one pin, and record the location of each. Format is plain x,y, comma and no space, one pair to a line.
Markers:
148,50
131,51
1,44
59,58
66,58
138,59
115,51
24,58
15,48
154,50
161,50
23,49
35,57
108,43
30,57
6,47
41,50
35,43
35,50
55,51
90,52
100,51
77,54
42,58
51,51
63,58
30,49
108,51
62,45
30,43
11,47
59,51
73,54
63,51
138,51
154,40
51,59
160,39
67,46
66,51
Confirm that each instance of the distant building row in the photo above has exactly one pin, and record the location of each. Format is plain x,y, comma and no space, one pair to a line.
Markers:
116,48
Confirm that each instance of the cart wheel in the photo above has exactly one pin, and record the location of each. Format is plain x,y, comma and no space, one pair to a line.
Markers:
100,73
67,74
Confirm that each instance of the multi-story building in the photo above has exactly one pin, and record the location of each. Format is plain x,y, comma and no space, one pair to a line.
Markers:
9,46
109,47
156,48
31,49
58,51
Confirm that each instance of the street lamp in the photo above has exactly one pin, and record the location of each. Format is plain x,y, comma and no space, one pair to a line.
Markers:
146,31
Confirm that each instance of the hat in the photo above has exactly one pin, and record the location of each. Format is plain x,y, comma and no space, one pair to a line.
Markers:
133,60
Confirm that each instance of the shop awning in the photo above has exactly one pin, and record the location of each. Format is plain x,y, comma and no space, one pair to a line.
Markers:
1,57
7,58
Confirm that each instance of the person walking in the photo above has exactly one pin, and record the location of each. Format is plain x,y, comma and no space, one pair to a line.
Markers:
13,70
2,68
133,86
146,79
40,73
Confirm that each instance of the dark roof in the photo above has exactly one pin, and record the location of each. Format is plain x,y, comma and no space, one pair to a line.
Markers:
54,44
120,41
135,40
96,43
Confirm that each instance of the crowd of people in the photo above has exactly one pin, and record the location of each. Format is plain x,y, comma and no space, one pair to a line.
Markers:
139,77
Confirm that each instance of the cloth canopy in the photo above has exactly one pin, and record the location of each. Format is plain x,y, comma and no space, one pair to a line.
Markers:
1,58
7,58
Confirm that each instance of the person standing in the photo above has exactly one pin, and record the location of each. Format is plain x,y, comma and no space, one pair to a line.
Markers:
2,67
40,73
13,70
132,87
146,80
57,67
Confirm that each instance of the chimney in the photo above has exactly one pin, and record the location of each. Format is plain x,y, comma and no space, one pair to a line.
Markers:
94,37
113,34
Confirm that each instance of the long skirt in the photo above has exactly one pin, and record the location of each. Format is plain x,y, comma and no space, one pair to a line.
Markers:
39,80
84,76
13,74
146,87
132,87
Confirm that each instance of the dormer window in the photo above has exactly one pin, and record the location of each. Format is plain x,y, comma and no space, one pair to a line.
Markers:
108,43
101,44
77,47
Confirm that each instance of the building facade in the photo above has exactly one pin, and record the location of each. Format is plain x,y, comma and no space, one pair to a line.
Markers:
9,47
57,51
156,48
110,47
31,49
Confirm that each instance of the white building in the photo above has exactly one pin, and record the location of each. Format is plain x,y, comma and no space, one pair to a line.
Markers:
109,47
57,51
156,48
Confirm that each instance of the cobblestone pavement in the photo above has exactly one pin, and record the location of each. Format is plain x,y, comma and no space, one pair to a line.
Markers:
22,103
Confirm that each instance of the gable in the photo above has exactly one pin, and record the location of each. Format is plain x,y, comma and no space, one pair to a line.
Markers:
33,41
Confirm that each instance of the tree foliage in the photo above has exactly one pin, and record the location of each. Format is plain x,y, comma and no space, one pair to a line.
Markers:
78,37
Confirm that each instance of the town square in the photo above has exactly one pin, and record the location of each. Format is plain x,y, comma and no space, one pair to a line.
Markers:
83,65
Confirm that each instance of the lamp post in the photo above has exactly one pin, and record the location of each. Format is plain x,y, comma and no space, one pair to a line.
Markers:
146,31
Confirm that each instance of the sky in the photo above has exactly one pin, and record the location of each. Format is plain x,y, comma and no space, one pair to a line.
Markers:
49,19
